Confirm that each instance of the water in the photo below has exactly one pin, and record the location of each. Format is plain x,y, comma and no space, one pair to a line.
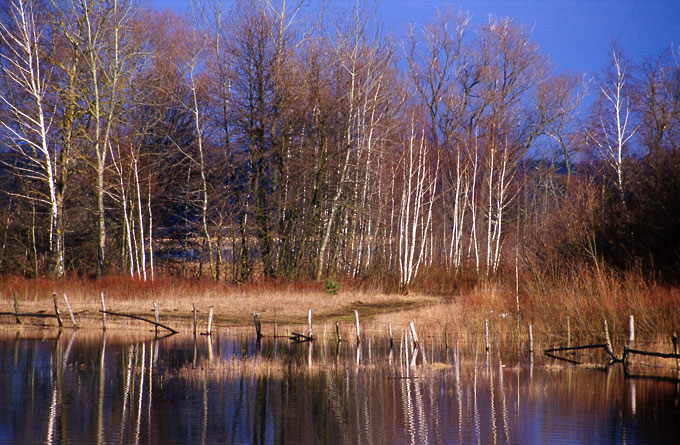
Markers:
85,388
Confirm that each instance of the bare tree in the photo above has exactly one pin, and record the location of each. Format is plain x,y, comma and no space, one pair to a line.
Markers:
28,118
614,127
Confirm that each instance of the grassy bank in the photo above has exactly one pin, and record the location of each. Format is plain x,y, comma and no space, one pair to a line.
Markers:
585,296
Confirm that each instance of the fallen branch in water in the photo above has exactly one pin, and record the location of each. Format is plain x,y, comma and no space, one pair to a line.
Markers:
137,317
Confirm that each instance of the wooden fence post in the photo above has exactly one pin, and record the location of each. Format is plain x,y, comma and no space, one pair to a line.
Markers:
16,308
568,333
631,331
103,313
309,322
675,351
210,320
195,319
156,316
70,311
258,326
389,331
486,332
56,310
531,338
356,318
412,326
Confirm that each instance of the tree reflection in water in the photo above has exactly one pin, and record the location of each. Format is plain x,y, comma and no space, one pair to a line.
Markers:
232,388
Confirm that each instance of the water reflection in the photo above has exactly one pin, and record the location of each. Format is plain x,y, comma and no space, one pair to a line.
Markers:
233,388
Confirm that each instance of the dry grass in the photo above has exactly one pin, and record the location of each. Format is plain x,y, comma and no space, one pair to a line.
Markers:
587,296
283,303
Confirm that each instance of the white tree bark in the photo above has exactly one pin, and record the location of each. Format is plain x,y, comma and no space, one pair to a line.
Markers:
27,124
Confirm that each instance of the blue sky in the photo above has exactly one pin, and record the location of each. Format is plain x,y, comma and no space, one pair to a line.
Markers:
575,33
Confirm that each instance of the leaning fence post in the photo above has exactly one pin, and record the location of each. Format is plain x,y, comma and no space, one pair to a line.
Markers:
16,308
103,312
356,318
56,310
608,342
70,311
412,326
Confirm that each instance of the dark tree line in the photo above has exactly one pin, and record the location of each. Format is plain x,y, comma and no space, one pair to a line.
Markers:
272,139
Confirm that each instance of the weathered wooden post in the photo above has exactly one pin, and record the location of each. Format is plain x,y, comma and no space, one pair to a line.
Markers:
356,318
103,312
608,342
389,331
258,326
337,331
70,311
568,333
531,338
195,319
16,308
412,327
210,320
486,332
156,316
309,322
631,332
675,351
446,336
56,310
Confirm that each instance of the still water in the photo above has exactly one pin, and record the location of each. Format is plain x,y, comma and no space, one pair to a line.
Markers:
86,388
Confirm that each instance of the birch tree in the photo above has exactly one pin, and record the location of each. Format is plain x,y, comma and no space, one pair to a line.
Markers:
28,117
614,120
419,188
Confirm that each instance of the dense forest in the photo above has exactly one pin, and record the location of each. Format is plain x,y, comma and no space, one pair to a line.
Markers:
273,138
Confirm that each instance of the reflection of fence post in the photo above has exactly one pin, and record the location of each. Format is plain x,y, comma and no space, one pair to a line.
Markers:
16,308
70,311
56,310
